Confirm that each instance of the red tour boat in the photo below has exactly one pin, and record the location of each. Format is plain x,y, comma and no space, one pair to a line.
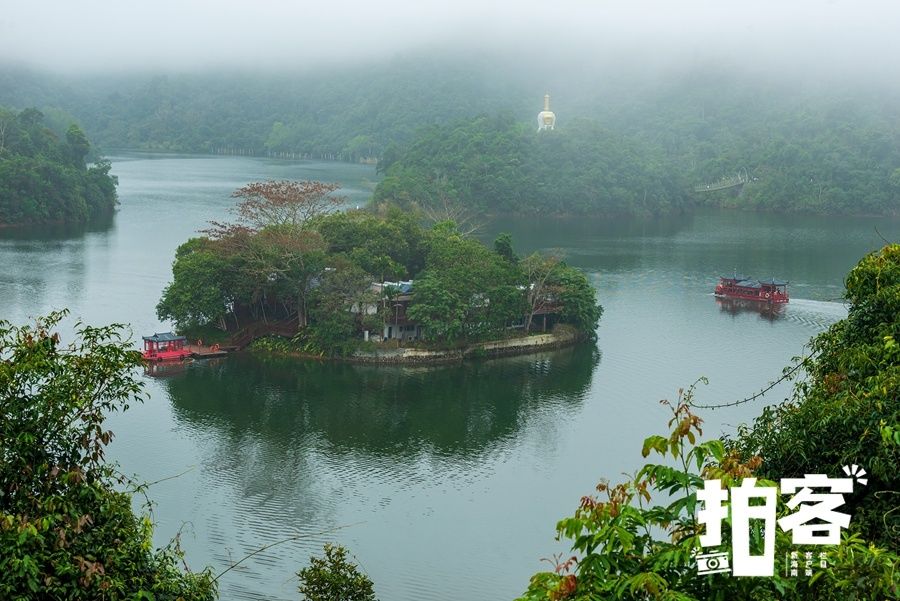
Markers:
165,347
766,291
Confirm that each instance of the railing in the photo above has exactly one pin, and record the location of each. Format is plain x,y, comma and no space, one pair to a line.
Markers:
724,183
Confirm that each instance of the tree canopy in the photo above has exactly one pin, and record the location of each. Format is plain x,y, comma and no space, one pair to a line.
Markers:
44,177
499,165
334,577
67,530
851,401
466,291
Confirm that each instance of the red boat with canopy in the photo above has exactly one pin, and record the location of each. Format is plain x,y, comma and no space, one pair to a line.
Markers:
766,291
165,347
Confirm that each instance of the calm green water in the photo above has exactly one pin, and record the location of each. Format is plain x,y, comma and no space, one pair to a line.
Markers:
449,480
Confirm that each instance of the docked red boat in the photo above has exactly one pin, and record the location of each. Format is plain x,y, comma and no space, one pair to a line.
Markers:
165,347
766,291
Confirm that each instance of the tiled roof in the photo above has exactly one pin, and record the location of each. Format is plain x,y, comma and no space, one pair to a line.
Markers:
164,337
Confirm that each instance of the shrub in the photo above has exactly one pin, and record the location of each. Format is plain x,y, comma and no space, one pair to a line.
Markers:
333,578
65,531
848,408
628,548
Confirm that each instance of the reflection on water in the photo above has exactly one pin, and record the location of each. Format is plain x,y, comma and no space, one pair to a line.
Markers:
290,446
461,409
736,306
165,369
813,252
58,231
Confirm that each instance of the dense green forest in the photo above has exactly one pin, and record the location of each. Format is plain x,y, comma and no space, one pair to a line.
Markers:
496,164
825,149
349,113
44,176
816,146
808,154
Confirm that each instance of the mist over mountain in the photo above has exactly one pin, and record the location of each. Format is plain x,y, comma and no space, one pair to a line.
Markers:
800,97
322,110
103,36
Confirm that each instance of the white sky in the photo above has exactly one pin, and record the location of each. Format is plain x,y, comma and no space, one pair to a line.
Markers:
99,35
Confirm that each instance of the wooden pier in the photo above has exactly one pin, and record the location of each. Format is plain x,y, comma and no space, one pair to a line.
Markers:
208,352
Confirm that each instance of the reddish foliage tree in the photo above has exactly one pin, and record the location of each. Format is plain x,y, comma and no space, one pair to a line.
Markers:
284,202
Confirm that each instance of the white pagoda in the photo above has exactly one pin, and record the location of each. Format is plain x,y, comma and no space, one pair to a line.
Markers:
546,118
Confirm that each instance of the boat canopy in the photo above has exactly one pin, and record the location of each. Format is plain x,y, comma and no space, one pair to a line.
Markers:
164,337
735,277
745,282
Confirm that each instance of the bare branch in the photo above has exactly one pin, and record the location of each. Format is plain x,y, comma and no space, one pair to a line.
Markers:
446,209
539,295
280,542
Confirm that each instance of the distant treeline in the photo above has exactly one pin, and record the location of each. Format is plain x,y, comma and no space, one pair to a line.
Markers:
620,143
814,149
352,113
44,176
809,153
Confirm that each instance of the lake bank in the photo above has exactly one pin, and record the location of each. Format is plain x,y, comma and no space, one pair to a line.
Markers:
561,337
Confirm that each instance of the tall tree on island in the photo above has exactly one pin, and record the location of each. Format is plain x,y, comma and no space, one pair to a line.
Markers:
540,293
291,203
197,294
277,248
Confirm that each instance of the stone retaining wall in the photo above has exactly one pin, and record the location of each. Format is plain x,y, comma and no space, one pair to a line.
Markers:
494,348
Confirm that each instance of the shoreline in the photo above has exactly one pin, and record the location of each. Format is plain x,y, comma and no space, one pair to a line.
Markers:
58,223
418,356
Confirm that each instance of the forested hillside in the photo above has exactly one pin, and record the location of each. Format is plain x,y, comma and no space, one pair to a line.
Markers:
816,148
499,165
44,176
649,149
623,140
350,113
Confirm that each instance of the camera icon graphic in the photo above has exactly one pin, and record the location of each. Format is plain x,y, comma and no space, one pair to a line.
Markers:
713,563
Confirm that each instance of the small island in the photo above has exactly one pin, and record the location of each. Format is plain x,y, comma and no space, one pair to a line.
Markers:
292,274
45,178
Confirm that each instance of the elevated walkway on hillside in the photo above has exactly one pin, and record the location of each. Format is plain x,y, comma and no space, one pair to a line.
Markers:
723,184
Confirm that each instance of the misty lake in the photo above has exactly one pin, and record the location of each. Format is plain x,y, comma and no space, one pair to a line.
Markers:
444,482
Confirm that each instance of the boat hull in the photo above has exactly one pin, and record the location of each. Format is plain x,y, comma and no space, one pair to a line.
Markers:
179,355
775,299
